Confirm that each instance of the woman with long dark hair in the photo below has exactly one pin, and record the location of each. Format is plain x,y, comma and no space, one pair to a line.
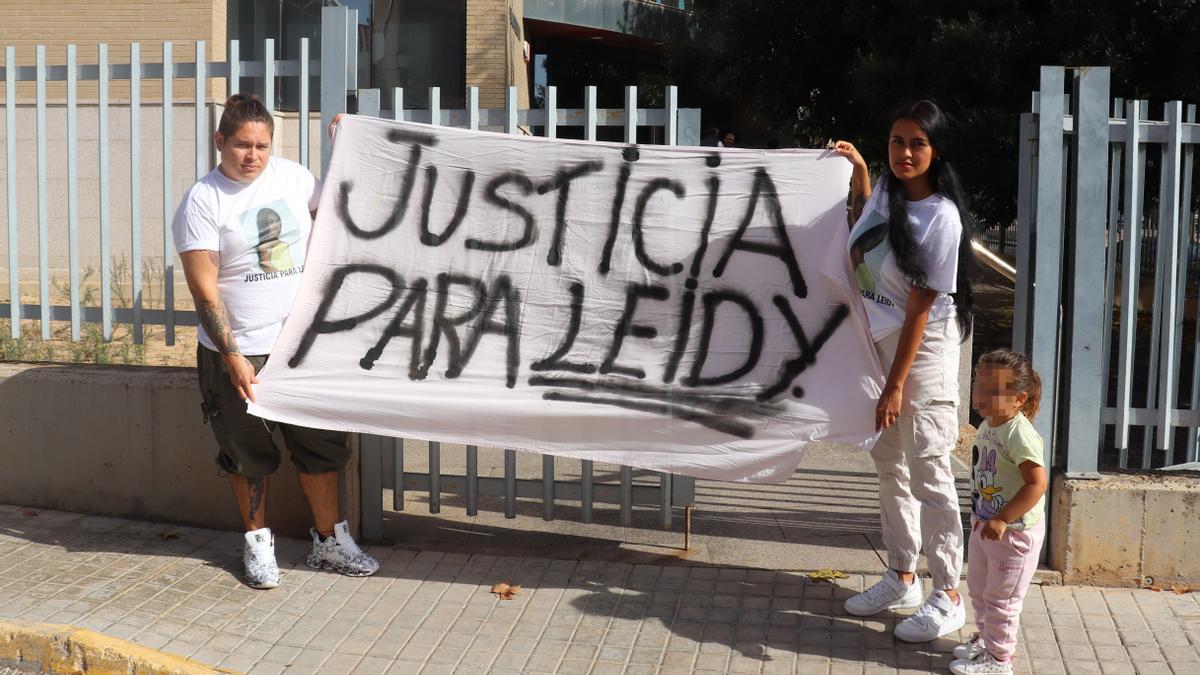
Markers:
910,244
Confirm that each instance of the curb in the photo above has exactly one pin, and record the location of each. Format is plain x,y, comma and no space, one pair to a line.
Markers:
47,647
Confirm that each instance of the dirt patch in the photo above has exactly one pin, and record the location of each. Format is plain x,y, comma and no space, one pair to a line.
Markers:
92,348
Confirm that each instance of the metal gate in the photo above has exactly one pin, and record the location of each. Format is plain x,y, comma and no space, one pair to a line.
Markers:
1108,274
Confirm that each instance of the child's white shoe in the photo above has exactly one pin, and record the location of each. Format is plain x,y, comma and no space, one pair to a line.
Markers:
937,617
984,664
970,649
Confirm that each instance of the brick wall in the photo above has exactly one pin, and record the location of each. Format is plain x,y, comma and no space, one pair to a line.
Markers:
494,50
87,23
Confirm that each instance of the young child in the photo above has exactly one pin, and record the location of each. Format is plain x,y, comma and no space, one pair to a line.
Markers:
1008,504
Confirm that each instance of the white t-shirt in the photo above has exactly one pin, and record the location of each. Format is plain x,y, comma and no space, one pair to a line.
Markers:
936,230
260,229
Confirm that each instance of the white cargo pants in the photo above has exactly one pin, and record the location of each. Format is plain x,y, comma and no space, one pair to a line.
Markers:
918,502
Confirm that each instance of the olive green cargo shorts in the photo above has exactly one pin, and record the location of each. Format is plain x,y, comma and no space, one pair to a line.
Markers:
247,446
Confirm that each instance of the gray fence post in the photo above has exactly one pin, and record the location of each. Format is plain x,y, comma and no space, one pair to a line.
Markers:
334,63
1026,196
1082,396
1131,255
1047,254
370,476
1169,234
10,148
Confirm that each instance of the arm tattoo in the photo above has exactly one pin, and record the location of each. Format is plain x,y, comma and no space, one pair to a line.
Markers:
215,319
258,487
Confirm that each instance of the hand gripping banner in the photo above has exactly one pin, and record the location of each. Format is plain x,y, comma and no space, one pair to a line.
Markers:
682,309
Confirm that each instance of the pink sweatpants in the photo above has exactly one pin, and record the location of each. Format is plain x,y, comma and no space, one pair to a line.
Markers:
997,577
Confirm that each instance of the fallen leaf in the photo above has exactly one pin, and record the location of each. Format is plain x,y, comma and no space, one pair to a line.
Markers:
505,591
827,575
168,535
28,513
1180,589
1154,587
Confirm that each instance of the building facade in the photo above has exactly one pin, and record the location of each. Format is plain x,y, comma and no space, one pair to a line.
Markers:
413,44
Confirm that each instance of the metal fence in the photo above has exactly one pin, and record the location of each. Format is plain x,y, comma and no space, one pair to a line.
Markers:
335,82
337,87
384,462
1002,239
1108,292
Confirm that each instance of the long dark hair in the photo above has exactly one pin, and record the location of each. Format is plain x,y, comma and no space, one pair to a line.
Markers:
944,181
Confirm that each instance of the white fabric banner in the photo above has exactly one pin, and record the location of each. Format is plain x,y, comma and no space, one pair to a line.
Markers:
681,309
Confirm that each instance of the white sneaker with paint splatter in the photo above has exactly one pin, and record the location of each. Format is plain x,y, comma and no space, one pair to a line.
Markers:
340,554
259,558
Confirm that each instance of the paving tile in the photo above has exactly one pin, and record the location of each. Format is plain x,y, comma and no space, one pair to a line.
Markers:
1142,654
340,663
1183,655
415,652
448,656
574,667
238,662
541,664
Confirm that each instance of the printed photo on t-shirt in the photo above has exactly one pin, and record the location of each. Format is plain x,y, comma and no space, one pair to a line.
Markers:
868,249
275,235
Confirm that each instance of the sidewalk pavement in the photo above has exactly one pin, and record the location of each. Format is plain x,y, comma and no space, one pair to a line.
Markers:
177,589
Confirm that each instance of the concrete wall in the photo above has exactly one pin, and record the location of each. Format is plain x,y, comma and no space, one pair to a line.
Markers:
1122,529
128,441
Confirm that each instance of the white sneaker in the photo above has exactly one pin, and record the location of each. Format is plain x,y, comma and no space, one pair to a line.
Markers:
888,593
970,649
984,664
937,617
340,554
259,557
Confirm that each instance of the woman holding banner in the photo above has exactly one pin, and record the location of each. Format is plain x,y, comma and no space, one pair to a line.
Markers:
910,244
241,234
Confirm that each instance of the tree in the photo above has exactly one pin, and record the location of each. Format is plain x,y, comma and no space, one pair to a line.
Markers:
814,70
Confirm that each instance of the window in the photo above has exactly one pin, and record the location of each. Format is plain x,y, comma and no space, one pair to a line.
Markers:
417,44
414,44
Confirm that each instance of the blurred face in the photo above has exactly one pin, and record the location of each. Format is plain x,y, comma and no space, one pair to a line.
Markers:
244,154
728,139
270,227
993,396
909,153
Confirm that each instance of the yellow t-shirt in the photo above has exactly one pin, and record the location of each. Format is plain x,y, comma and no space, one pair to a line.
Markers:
281,257
997,454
